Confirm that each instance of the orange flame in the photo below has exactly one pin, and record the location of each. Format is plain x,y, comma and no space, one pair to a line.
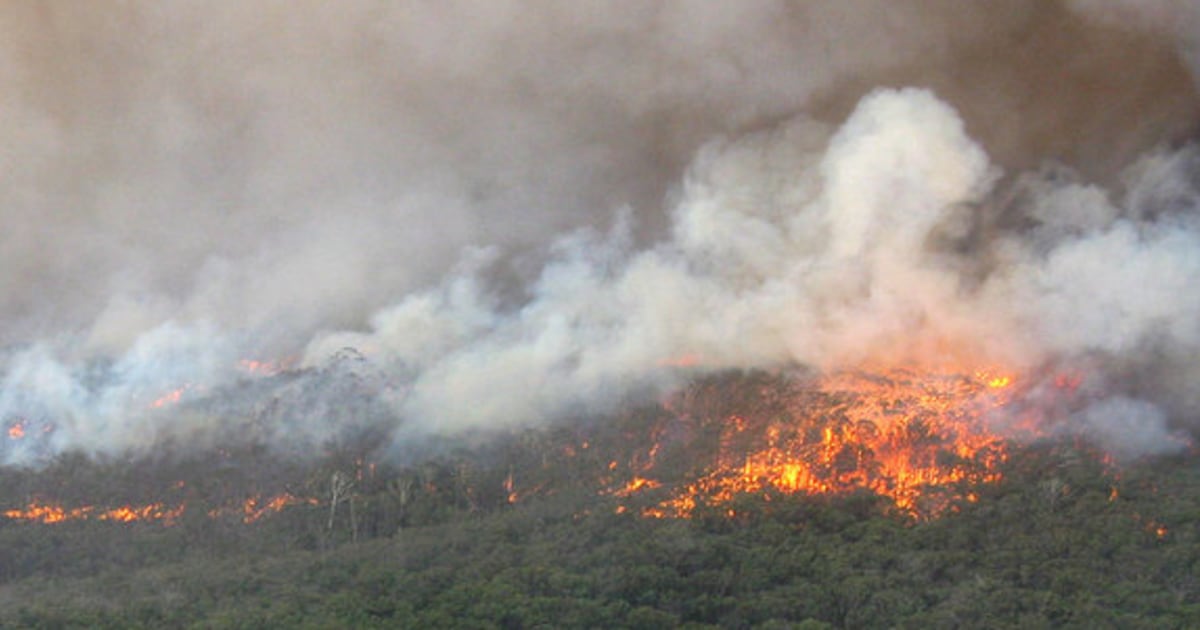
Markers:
636,484
899,434
41,512
508,488
16,430
47,513
251,510
152,512
256,507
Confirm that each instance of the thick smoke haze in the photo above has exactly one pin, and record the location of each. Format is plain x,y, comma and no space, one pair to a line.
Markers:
522,211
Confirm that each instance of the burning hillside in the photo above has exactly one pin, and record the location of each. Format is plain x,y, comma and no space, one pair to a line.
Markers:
913,438
249,511
328,270
921,439
609,217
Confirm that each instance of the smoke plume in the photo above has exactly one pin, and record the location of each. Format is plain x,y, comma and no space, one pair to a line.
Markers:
514,212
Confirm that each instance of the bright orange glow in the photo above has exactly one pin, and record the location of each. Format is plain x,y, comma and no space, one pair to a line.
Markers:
251,510
17,430
910,437
38,511
47,513
152,512
636,484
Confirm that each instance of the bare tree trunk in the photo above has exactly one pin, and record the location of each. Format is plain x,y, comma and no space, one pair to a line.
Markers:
339,491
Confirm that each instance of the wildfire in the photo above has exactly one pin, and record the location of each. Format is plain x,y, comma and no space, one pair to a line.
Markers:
152,512
251,510
266,367
256,507
635,485
170,398
16,430
911,437
508,488
40,512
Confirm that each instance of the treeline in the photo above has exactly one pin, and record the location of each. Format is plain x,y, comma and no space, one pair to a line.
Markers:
1063,541
522,530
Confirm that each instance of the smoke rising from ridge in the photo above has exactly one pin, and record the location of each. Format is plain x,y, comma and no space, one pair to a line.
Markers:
523,211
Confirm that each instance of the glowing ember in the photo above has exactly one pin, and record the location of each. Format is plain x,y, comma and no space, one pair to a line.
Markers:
16,431
910,437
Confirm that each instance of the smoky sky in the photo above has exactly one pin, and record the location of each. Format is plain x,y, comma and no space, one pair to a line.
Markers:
524,208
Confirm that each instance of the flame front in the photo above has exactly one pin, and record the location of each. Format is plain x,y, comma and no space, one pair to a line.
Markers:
251,510
256,507
42,512
152,512
48,513
908,436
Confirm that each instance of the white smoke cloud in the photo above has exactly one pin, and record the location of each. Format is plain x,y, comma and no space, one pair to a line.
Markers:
1129,428
522,211
798,245
111,406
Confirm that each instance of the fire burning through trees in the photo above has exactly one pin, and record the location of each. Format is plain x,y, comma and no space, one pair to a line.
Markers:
42,512
411,280
920,439
256,507
251,510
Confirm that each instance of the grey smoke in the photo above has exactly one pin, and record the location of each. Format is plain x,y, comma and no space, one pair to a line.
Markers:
1129,428
520,211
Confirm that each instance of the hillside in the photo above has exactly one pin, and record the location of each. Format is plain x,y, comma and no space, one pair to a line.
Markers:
538,528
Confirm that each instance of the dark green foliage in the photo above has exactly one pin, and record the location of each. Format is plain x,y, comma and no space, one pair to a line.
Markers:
437,545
